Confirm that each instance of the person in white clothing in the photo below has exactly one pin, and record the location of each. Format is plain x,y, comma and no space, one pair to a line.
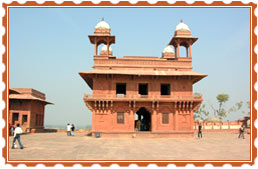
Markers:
17,133
69,129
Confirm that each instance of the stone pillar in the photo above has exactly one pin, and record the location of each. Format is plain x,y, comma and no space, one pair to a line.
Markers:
187,54
190,50
96,47
175,51
108,48
178,50
154,120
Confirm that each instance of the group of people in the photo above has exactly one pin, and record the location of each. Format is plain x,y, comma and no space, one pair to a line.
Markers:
70,129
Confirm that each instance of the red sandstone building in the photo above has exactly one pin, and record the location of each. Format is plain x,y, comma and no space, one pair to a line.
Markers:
156,91
27,107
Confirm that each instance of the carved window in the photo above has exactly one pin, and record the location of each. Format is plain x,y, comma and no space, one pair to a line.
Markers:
165,89
165,118
120,118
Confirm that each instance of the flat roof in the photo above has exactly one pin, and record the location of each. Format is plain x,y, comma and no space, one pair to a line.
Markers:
27,94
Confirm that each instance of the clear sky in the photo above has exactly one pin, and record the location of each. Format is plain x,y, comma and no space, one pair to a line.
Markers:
49,46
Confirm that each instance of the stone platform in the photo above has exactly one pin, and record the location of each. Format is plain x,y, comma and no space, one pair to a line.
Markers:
58,146
145,134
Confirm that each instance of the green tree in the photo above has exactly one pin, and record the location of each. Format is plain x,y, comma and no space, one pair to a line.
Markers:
201,113
239,105
221,112
236,107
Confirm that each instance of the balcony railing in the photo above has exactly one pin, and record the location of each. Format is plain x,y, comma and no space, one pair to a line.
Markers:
121,97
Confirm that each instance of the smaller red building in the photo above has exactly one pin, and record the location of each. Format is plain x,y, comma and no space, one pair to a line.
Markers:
27,107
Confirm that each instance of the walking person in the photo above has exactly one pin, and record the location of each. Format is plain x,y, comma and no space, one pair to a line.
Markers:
17,133
72,129
68,129
199,130
241,131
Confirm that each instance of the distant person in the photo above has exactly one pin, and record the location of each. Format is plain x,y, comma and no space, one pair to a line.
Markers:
241,131
12,130
72,129
68,128
200,130
138,124
17,133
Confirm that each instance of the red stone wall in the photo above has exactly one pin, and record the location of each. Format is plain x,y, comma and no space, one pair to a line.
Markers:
37,108
103,84
138,63
29,108
21,107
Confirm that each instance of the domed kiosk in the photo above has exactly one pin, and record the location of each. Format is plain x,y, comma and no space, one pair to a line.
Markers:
102,28
183,37
102,35
168,53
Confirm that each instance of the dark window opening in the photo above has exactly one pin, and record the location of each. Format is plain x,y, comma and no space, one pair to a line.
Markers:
165,118
165,89
120,117
24,119
143,89
121,88
15,117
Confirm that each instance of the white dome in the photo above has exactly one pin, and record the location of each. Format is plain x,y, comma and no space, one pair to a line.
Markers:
168,49
182,26
102,25
104,48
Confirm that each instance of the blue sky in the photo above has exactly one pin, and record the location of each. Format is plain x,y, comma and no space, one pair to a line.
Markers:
49,46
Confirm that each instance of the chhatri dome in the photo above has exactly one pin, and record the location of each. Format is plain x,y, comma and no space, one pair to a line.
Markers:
102,25
104,48
182,26
168,49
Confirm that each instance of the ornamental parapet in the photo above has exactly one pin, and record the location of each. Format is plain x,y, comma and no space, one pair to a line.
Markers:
142,98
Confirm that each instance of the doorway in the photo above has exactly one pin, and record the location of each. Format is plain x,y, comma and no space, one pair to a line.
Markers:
143,120
15,118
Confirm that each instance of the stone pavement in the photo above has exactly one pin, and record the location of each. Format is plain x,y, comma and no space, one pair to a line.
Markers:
58,146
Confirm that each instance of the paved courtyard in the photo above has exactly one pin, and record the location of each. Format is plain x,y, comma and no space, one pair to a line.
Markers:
57,146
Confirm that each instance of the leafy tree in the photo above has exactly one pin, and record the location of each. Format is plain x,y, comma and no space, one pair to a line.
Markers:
201,113
221,112
236,107
239,105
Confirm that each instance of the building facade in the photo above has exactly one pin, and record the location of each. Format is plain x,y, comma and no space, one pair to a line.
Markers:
27,108
136,96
